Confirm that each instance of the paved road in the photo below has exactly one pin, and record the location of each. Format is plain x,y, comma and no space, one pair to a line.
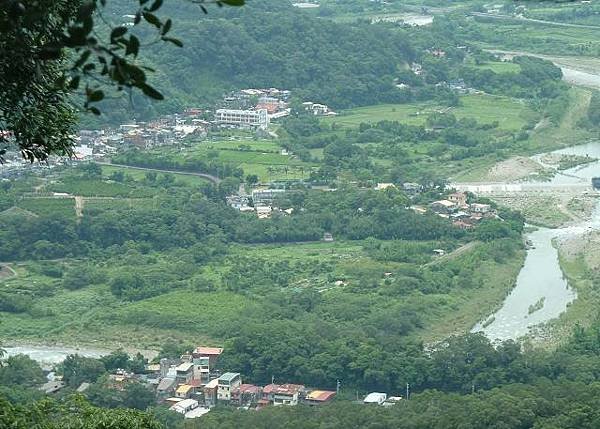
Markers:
536,21
210,177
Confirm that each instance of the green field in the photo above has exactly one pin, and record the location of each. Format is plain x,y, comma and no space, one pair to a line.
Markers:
189,315
260,157
140,175
96,188
510,113
49,206
500,67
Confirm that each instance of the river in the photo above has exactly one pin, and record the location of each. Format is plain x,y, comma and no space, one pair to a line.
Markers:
48,356
541,292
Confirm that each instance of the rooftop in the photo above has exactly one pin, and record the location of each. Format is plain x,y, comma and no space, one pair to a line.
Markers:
185,367
184,389
283,389
247,388
375,398
208,350
320,395
229,376
212,383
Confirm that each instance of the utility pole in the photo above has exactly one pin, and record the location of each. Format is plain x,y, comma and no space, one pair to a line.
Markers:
407,390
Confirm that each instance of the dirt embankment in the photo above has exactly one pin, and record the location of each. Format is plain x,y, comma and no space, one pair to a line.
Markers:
514,169
586,246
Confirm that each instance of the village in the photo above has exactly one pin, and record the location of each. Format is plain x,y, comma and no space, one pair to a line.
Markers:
247,109
192,385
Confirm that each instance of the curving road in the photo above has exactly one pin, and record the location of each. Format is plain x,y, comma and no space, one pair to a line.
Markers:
210,177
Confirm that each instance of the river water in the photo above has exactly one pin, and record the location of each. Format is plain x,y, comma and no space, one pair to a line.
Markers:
541,279
48,356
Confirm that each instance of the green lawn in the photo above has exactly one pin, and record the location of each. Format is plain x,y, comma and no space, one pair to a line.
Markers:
500,67
511,114
140,175
49,206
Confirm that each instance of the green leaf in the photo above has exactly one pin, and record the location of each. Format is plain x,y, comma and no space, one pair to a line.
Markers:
74,83
152,19
133,47
151,92
86,10
233,2
82,59
97,95
166,27
155,6
174,41
117,32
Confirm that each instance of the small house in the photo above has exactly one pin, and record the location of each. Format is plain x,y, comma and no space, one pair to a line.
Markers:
226,384
210,392
165,388
246,394
284,394
185,406
443,206
319,397
480,208
185,372
458,198
184,391
375,398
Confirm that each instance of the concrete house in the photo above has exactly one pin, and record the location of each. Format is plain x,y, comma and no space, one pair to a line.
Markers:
443,206
226,384
458,198
185,372
283,394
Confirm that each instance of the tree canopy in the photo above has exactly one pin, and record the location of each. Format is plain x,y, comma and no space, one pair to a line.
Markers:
54,53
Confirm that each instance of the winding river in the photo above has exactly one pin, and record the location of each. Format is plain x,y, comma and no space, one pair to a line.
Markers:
542,292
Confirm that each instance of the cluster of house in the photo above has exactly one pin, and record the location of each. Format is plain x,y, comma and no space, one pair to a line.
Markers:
318,109
167,130
456,208
253,108
191,386
256,108
260,201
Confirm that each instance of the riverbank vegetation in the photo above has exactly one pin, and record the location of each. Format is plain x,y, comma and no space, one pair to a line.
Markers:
186,266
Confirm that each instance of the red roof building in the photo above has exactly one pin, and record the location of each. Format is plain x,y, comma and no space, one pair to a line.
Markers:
212,353
246,393
317,397
283,394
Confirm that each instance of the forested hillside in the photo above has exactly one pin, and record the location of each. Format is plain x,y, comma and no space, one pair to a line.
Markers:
268,44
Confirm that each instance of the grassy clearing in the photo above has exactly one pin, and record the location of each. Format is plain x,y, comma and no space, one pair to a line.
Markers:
567,133
64,207
118,204
96,188
584,309
140,175
499,67
511,114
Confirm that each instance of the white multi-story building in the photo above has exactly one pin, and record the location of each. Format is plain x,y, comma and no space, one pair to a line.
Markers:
228,382
245,118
